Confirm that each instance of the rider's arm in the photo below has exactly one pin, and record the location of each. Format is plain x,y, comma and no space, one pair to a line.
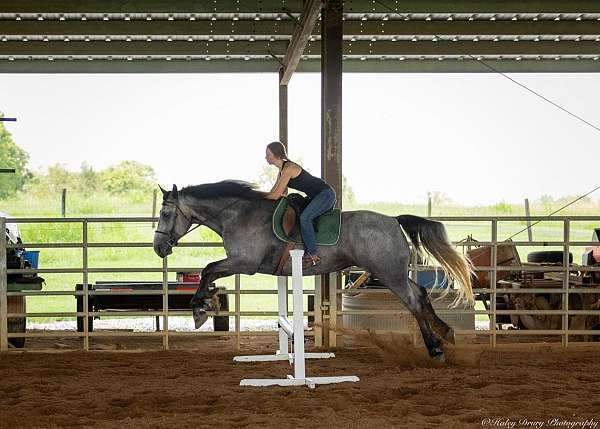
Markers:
281,184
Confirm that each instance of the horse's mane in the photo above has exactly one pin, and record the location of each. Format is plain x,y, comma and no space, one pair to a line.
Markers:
226,188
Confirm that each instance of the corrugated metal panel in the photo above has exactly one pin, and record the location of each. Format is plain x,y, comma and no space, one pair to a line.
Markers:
382,36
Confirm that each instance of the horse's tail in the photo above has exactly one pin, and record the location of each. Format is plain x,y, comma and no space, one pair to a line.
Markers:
432,236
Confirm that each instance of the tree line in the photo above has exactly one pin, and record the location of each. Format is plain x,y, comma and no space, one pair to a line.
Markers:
127,177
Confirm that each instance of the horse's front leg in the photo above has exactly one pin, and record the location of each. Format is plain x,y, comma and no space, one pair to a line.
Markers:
204,299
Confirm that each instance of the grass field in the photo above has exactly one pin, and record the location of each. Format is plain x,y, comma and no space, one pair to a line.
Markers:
107,205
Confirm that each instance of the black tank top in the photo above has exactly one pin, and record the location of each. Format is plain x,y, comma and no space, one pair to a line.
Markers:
307,183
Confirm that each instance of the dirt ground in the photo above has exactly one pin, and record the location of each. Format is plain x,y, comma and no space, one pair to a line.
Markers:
197,386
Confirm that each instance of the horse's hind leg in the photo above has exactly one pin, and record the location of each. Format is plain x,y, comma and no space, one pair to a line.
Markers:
413,301
438,325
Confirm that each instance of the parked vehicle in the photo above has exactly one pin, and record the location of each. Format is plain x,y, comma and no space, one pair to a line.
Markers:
18,258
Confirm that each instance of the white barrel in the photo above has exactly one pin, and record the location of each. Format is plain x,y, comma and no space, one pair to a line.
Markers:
403,324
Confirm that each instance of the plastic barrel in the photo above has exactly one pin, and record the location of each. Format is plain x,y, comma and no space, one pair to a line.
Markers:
33,256
358,324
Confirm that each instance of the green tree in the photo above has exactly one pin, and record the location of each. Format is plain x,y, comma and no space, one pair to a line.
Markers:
348,197
547,203
438,198
568,199
89,180
502,208
267,177
52,181
128,177
12,156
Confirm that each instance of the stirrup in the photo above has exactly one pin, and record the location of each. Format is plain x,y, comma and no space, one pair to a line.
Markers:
310,261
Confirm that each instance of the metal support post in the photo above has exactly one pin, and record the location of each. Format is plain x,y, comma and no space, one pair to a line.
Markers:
331,133
566,273
3,288
154,196
283,111
331,95
165,315
63,203
318,326
86,293
333,310
528,215
494,276
238,317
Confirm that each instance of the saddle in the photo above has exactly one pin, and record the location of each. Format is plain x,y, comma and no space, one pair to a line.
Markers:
291,217
286,225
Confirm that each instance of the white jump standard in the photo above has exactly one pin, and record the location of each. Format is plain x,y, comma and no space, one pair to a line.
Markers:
295,332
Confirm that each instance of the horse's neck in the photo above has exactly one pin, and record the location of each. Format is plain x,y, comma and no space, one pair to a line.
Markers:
212,212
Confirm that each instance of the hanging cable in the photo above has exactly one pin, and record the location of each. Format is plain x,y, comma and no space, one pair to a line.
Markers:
554,212
537,94
502,74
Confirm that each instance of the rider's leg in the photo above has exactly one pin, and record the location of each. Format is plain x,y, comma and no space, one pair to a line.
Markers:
320,204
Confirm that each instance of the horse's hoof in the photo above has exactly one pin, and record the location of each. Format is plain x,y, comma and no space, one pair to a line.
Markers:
441,358
437,354
200,317
449,336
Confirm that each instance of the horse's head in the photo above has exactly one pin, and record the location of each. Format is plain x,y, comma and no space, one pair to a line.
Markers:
173,223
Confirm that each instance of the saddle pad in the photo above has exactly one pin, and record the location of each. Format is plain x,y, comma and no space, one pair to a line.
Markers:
328,229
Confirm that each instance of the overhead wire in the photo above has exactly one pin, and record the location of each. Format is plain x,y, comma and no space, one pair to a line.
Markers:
537,94
490,67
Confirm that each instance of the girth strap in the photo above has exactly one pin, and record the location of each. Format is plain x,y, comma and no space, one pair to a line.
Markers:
284,258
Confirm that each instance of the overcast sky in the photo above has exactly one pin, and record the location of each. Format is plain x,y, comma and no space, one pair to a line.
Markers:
478,138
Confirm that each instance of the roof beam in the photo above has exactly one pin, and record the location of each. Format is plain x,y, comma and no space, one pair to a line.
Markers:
262,48
296,6
441,48
482,28
149,6
286,28
300,39
472,6
155,48
270,65
147,28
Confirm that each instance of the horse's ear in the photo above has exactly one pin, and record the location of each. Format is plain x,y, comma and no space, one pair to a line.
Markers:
162,190
174,191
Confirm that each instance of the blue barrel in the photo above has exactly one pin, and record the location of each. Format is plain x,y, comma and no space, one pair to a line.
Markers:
427,279
33,256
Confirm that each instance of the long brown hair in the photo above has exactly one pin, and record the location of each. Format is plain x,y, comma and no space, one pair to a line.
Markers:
278,149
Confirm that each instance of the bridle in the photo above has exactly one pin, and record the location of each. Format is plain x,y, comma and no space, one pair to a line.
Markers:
174,241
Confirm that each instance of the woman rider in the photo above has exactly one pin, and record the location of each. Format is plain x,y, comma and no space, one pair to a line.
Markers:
321,196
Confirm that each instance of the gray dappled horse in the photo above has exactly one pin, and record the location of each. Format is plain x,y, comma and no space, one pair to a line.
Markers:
375,242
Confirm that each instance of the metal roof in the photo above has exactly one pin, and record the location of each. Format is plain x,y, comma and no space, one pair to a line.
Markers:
250,36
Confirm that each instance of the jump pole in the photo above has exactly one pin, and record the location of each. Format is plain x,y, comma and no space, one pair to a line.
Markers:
295,332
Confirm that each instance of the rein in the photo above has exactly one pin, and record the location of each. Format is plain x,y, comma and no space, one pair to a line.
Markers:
174,242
